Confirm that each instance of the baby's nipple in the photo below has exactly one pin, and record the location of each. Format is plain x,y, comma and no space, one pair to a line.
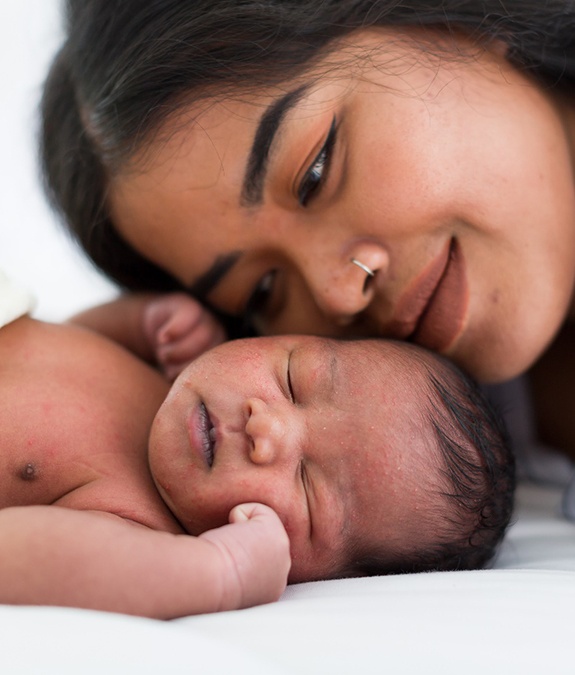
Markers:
28,472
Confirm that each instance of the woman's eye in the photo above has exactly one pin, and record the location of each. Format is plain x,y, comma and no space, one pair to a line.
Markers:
316,175
259,300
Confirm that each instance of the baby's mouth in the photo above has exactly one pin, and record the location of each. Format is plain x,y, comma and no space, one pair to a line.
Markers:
208,433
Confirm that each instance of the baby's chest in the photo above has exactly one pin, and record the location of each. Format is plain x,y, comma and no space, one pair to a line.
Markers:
104,480
43,473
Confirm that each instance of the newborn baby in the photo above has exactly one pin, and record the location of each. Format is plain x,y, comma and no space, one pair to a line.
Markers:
268,457
377,456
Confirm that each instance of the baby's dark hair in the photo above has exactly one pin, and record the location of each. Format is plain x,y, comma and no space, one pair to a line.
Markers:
126,66
477,478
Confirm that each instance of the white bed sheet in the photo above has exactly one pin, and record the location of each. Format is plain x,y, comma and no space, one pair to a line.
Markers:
515,618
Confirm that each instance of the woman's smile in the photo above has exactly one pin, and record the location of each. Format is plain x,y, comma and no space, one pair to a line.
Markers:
414,301
443,315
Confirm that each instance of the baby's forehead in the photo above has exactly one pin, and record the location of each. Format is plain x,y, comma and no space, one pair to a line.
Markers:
403,354
383,394
389,457
394,365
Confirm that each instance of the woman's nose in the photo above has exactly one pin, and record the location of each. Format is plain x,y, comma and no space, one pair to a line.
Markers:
266,430
344,286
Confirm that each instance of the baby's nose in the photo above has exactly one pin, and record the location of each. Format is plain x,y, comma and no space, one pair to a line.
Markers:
266,432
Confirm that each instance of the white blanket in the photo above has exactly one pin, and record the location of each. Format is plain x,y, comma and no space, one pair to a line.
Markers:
513,619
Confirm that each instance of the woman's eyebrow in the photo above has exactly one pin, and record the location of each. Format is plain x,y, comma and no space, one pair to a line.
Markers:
252,187
267,131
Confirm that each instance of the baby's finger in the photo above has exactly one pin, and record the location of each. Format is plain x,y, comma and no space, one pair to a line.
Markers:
206,334
172,320
244,512
256,551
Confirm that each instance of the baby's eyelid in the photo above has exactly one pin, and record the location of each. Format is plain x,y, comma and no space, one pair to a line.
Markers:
288,380
304,480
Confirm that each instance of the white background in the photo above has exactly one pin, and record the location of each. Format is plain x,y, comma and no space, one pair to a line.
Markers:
34,248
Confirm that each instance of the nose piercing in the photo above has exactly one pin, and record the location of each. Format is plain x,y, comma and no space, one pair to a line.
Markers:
365,268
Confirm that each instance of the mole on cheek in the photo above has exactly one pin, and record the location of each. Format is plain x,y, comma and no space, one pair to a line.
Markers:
28,472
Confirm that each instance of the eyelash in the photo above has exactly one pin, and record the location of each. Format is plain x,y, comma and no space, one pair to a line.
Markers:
302,473
259,299
316,175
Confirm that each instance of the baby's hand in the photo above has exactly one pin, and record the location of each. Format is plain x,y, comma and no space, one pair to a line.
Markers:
179,329
255,555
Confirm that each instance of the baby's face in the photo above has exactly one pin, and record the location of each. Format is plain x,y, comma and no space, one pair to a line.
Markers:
332,435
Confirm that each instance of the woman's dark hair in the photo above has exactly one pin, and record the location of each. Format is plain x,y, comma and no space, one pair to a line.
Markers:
127,65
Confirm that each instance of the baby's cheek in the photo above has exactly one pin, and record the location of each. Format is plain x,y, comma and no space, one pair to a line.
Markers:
304,567
200,513
301,552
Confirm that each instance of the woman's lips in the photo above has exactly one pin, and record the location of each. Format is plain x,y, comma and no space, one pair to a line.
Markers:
414,300
444,316
432,311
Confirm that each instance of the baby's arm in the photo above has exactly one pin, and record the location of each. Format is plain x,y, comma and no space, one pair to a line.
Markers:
169,329
57,556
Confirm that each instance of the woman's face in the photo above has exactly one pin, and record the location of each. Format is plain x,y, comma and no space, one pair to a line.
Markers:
450,178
